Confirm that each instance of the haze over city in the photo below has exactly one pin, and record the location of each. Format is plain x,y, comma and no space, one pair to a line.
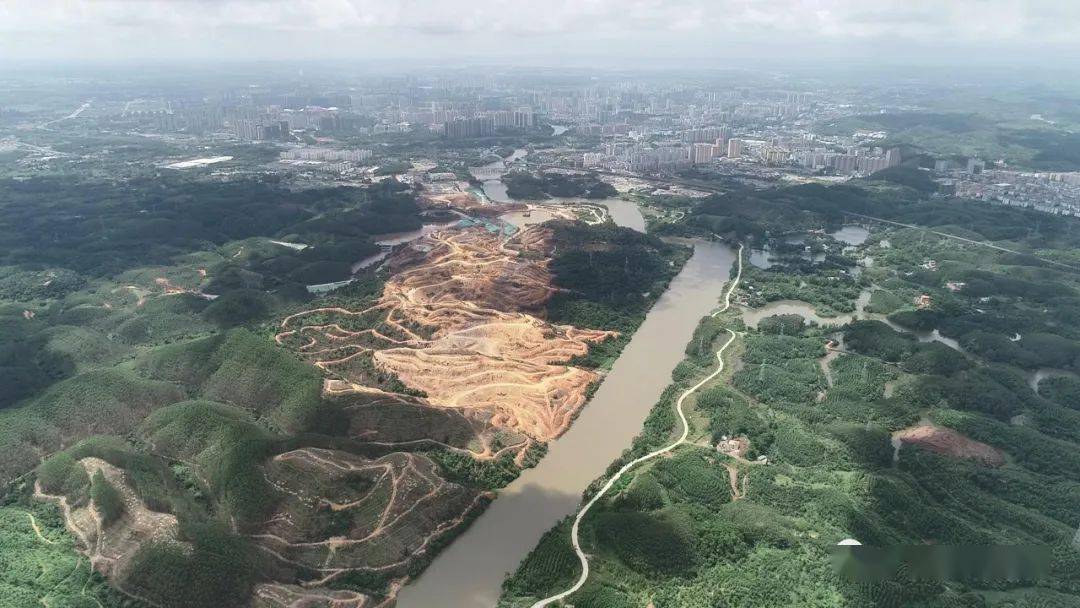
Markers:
696,33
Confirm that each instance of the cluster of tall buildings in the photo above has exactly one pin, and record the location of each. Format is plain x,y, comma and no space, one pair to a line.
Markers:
610,129
861,160
691,147
702,153
484,124
257,130
971,165
667,158
326,154
735,148
468,128
662,105
513,119
723,145
707,135
1072,179
640,159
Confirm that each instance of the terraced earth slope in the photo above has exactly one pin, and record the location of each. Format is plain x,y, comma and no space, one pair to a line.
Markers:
457,328
449,345
323,459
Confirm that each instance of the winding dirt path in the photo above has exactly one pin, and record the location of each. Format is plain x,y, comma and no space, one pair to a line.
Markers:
37,530
574,531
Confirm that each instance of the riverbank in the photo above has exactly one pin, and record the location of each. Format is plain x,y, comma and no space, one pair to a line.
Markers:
470,572
575,529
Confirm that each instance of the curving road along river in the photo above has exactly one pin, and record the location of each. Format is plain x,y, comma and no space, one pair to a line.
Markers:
469,573
584,559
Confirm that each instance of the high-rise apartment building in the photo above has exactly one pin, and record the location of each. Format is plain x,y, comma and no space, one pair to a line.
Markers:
703,153
734,148
464,128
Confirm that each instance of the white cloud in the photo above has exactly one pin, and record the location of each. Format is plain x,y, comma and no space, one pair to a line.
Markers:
57,27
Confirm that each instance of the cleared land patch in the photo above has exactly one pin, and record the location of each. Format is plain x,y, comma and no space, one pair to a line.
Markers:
950,443
456,330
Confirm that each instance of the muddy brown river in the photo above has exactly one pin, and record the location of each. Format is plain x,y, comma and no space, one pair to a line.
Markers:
469,573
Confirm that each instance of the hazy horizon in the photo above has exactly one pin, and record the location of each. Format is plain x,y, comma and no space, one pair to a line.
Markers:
692,33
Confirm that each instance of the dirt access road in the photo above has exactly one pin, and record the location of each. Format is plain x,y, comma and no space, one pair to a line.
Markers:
574,531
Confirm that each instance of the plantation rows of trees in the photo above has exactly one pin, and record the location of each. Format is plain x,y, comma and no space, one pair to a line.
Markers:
673,534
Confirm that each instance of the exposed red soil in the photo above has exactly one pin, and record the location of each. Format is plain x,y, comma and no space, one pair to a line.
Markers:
950,443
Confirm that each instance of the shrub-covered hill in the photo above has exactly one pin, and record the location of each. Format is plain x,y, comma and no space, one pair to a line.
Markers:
245,370
143,387
937,421
101,402
141,326
150,262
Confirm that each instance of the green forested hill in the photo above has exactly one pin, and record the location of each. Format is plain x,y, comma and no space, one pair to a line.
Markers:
132,331
820,464
144,399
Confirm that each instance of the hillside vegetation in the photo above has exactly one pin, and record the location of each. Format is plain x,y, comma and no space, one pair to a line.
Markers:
895,439
196,459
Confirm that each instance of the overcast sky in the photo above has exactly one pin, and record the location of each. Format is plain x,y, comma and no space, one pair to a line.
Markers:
547,32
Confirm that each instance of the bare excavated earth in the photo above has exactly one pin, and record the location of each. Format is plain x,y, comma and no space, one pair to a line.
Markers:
294,596
111,547
466,202
950,443
345,513
441,386
452,356
458,330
